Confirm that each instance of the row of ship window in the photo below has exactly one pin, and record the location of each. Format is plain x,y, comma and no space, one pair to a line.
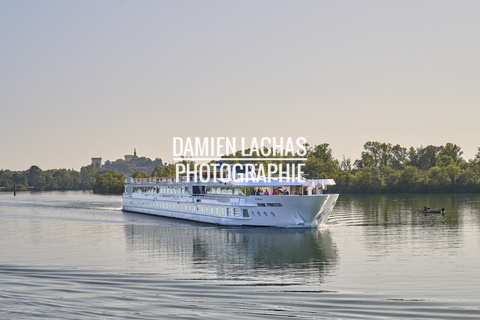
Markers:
188,207
162,190
204,209
184,190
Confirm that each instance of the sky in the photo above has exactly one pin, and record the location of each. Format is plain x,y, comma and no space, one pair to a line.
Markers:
83,79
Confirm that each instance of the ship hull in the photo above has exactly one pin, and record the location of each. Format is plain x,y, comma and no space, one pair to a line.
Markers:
286,211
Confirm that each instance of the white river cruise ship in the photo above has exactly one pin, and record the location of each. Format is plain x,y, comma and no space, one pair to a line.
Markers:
274,203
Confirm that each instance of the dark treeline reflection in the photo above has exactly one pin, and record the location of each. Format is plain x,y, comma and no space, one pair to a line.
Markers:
391,224
403,209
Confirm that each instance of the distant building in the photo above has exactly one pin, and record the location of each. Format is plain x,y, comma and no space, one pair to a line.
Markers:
129,157
97,163
131,163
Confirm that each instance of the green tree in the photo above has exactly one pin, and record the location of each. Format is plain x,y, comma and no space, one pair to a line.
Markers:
65,179
469,179
423,158
164,171
320,162
390,179
109,182
453,172
344,182
6,182
139,174
410,180
437,180
379,154
19,179
398,157
87,177
476,160
346,164
50,182
445,161
453,151
367,180
36,178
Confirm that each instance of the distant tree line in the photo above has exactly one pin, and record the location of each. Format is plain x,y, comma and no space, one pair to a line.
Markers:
103,181
36,179
382,168
387,168
108,180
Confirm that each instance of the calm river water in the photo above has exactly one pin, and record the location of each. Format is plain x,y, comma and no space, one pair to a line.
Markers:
75,255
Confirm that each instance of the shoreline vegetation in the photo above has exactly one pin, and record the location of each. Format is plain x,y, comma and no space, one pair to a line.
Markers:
382,168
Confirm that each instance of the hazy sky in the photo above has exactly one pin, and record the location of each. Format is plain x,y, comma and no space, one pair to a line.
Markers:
82,79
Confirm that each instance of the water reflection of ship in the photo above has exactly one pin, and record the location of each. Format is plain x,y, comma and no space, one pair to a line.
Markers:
234,252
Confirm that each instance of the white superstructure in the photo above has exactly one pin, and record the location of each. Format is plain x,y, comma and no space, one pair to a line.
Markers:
297,203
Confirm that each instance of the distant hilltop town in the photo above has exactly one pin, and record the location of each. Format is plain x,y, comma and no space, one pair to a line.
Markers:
128,164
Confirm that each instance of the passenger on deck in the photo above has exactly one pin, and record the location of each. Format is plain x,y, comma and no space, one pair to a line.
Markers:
286,193
266,193
254,192
274,193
